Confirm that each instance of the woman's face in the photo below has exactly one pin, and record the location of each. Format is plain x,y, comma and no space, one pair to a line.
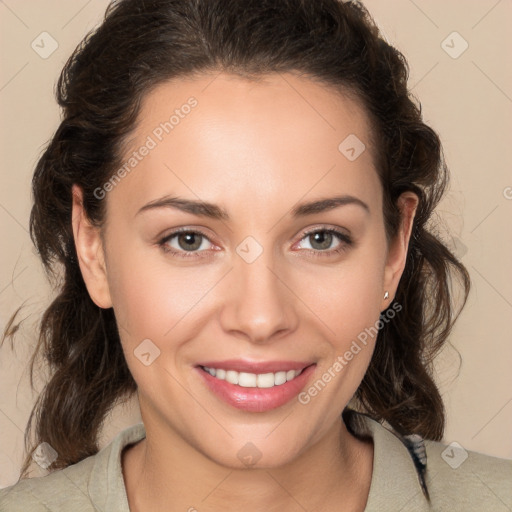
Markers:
282,265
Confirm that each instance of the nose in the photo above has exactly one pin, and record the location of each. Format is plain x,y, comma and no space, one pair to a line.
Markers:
260,305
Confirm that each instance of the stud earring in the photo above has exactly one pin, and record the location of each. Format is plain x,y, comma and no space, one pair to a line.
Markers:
386,295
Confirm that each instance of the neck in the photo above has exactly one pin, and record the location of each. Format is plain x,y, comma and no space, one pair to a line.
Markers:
166,473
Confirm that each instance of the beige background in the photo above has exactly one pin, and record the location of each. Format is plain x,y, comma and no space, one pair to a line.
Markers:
468,100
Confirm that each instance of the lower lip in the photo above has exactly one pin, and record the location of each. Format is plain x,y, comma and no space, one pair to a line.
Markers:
257,399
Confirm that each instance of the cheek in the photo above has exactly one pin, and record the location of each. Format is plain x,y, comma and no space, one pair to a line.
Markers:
347,301
348,296
150,296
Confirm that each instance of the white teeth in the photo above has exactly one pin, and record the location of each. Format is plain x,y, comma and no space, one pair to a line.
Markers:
232,377
247,380
290,375
253,380
280,378
266,380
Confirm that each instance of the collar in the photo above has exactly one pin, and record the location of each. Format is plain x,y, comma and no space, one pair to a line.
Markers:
395,477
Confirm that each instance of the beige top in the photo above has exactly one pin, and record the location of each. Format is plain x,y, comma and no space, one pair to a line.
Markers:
455,483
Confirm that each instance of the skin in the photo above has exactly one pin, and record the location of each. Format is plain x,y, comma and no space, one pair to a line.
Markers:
256,149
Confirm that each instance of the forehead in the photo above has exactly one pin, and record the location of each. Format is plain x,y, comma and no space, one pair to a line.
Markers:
213,134
274,99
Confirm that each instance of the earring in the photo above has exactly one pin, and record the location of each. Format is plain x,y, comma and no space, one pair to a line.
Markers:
386,295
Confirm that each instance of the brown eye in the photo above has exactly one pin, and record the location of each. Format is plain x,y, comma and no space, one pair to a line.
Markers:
185,243
189,241
321,240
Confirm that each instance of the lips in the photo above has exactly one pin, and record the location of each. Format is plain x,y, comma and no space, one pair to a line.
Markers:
255,386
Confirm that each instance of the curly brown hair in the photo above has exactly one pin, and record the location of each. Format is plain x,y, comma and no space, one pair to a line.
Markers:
142,44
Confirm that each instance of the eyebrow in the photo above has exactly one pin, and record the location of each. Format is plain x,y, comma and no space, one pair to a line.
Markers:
213,211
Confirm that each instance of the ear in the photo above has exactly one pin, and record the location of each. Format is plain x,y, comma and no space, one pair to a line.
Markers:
89,248
397,252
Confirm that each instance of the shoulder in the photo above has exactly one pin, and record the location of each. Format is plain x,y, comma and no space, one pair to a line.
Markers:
473,480
64,489
95,483
412,474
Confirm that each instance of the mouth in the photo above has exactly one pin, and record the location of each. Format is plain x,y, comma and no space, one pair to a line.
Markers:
253,380
255,387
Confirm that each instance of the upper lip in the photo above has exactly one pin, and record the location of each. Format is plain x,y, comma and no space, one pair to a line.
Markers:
239,365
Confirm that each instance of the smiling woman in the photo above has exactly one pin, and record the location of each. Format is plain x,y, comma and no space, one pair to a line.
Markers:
262,277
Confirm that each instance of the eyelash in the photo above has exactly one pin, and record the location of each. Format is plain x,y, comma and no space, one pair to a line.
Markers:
347,242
